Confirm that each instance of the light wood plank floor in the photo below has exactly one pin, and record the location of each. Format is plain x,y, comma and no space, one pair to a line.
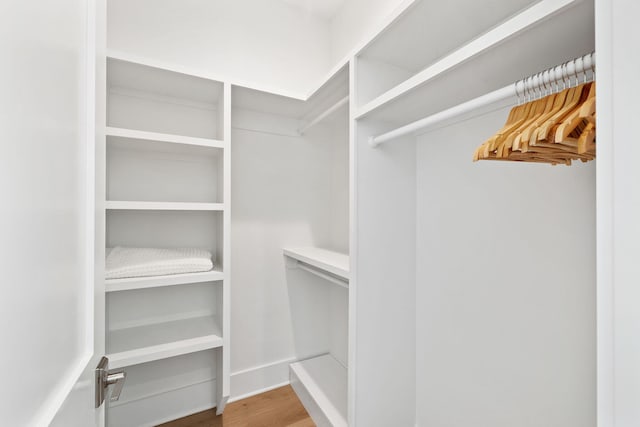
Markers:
275,408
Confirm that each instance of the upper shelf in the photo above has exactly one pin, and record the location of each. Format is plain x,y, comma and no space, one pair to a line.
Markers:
488,57
332,262
162,101
138,135
324,103
132,76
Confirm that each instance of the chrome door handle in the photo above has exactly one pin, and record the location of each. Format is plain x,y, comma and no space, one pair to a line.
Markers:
104,378
117,379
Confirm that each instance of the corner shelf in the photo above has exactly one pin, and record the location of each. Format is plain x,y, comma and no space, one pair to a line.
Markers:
334,263
162,206
131,346
321,385
128,284
163,137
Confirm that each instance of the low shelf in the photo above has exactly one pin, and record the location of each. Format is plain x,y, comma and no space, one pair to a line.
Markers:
140,344
321,386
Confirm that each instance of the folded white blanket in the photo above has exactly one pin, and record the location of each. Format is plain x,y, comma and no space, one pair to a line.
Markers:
141,262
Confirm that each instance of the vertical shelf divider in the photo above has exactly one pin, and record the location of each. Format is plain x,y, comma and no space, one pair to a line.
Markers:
223,363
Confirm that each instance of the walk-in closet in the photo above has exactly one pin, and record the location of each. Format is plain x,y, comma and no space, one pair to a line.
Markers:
404,213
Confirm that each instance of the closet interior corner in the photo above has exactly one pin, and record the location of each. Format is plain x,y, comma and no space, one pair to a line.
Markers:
344,242
291,194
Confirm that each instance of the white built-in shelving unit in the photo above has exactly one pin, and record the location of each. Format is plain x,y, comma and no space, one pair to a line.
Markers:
167,185
422,254
321,382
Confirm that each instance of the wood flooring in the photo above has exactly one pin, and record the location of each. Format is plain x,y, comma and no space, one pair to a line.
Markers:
275,408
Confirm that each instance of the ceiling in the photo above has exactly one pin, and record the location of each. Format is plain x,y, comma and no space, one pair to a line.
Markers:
323,8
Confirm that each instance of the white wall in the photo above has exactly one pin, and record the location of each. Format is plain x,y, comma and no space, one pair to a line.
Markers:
505,294
268,44
357,21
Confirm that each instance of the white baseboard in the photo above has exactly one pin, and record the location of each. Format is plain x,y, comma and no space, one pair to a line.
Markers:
259,379
163,407
169,405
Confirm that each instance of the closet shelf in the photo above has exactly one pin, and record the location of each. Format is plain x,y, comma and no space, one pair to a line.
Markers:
321,385
510,29
115,285
334,263
147,343
162,206
163,137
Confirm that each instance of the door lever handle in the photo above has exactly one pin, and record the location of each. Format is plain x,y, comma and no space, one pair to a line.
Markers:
117,379
104,378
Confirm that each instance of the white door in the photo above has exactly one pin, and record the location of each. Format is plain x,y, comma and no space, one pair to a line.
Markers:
49,340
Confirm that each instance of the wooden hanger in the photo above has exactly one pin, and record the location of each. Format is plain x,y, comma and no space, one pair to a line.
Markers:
556,129
559,103
589,107
521,112
506,143
572,119
571,102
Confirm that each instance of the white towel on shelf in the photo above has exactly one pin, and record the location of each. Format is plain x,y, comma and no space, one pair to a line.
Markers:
142,262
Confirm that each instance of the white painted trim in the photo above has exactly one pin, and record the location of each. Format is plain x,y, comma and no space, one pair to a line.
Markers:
261,378
353,247
604,217
189,392
53,403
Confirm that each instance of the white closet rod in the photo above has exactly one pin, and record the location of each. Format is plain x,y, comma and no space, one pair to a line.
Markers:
323,275
324,115
530,88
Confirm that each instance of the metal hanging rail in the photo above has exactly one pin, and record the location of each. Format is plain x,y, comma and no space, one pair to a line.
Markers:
536,86
335,107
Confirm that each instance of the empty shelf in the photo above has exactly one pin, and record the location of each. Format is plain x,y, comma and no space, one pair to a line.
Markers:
114,285
162,206
335,263
163,137
321,385
157,341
